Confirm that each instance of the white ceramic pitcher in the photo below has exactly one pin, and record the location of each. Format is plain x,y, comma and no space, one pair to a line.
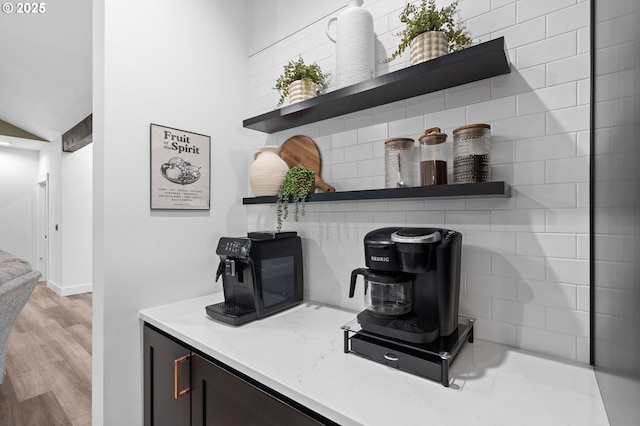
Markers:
355,50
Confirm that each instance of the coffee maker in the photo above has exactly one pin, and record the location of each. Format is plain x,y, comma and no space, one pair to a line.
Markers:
412,289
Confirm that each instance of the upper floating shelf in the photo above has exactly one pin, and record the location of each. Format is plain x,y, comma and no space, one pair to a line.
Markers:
483,189
474,63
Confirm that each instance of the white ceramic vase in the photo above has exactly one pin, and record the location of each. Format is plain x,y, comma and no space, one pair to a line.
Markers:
427,46
267,171
355,44
299,91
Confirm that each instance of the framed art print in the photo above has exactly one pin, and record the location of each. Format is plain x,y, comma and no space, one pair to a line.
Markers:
180,169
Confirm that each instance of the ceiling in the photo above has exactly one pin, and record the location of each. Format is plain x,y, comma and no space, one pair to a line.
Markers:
45,71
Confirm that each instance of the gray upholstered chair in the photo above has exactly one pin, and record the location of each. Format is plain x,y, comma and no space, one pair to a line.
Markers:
17,281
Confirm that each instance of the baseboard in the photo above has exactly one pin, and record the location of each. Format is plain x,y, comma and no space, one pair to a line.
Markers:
71,290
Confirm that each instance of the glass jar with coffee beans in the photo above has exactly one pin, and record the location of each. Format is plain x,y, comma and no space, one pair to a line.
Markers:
471,148
433,159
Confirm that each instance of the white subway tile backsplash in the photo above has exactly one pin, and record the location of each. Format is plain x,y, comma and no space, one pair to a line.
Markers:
502,151
568,170
525,258
568,19
568,271
530,173
518,81
411,127
496,331
548,50
584,298
546,196
518,313
584,246
568,120
424,104
471,8
492,286
518,220
425,218
358,152
495,242
552,245
556,344
467,94
390,112
523,33
343,139
447,119
492,21
377,132
527,126
468,220
567,70
495,109
568,220
547,147
475,306
547,294
568,321
518,267
550,98
529,9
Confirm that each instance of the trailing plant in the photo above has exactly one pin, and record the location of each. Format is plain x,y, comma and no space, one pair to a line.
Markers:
298,70
295,188
423,18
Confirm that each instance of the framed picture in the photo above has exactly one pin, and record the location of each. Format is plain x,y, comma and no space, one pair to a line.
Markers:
180,169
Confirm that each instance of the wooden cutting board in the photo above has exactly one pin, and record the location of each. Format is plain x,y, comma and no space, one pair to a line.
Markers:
301,150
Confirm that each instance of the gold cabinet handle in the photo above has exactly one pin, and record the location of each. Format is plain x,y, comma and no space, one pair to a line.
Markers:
177,393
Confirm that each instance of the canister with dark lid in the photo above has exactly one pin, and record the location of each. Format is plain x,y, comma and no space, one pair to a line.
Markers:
399,158
471,149
433,159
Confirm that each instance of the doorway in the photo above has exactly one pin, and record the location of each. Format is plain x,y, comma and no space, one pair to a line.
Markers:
43,227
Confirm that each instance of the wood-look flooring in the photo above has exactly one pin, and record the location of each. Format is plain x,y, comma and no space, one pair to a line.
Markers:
48,378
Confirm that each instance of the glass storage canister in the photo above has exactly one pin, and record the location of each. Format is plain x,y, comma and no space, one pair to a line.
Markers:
399,159
433,159
471,147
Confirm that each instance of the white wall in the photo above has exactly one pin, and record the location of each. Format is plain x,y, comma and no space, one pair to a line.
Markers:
526,258
19,203
76,227
182,66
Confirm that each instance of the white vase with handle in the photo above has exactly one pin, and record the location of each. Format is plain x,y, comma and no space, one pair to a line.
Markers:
355,49
267,171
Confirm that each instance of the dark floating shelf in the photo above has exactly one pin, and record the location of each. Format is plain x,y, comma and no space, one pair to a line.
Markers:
474,63
479,190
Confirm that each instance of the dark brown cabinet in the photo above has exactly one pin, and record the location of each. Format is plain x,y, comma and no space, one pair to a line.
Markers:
183,387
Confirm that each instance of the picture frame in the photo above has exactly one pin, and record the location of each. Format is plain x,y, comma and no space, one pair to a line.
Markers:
180,169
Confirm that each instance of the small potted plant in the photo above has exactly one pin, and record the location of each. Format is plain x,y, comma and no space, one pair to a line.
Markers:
300,81
297,184
430,32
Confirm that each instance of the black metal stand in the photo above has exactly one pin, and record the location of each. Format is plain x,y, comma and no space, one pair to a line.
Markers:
429,360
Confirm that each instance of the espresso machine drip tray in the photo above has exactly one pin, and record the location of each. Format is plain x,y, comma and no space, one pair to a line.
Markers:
430,360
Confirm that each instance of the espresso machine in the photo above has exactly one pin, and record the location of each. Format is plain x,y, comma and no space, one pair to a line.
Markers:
411,291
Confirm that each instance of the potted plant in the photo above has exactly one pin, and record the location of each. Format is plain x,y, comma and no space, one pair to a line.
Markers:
300,81
296,186
430,32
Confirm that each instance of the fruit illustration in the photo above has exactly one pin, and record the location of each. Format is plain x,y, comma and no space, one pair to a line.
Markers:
179,171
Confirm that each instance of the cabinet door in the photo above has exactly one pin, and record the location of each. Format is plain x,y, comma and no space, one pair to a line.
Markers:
222,398
161,407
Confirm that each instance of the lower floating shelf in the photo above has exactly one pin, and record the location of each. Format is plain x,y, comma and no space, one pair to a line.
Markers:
480,190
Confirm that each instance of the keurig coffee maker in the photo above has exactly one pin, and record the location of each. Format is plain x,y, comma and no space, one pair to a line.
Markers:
412,289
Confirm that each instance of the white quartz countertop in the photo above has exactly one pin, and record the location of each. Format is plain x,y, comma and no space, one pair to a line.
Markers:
299,353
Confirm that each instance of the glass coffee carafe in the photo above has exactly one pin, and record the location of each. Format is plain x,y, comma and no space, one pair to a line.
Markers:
385,294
